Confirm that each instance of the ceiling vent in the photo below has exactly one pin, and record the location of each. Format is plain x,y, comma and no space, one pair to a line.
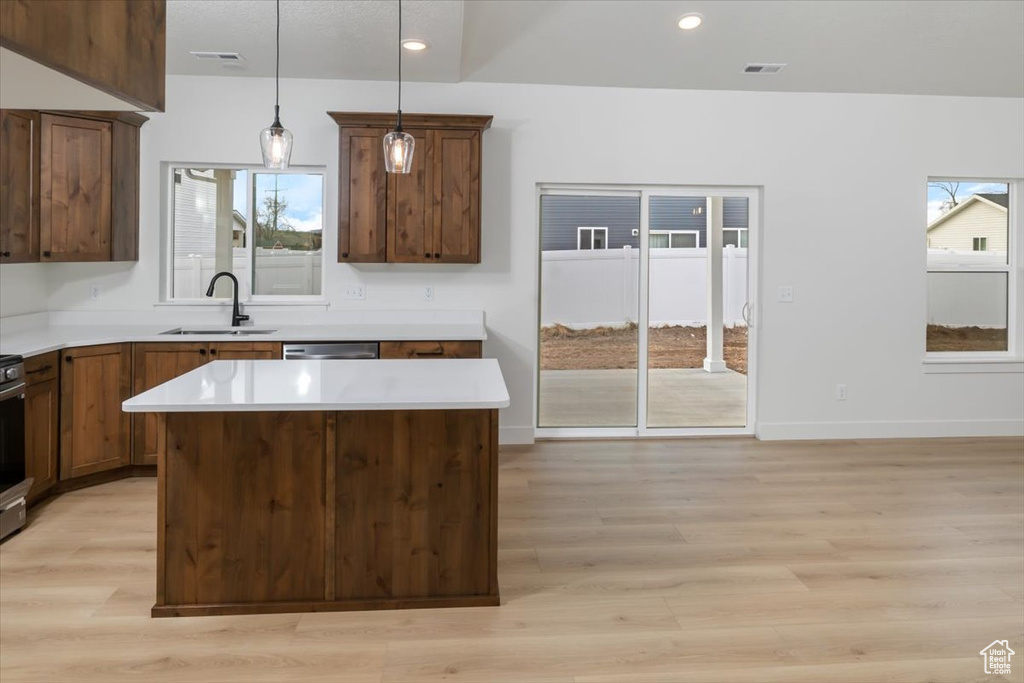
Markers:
757,68
229,59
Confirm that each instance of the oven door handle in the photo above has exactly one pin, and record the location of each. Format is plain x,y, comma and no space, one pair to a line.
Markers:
16,390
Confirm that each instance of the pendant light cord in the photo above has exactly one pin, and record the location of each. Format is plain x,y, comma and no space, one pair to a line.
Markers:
399,126
277,70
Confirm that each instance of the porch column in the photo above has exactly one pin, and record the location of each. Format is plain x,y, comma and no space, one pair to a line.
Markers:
224,255
715,359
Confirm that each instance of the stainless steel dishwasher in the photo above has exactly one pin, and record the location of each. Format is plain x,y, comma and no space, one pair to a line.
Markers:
332,351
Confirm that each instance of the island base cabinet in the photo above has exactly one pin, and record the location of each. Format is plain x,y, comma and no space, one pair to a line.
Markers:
241,508
264,512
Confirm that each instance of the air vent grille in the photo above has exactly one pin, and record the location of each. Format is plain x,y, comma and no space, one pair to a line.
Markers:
759,68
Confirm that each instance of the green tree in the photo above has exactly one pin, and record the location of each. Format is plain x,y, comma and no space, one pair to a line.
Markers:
271,221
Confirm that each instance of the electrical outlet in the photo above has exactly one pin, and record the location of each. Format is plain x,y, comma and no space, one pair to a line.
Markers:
840,392
786,294
428,293
94,292
357,292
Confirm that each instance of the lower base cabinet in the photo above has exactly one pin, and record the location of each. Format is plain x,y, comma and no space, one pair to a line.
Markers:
42,424
95,434
430,349
159,362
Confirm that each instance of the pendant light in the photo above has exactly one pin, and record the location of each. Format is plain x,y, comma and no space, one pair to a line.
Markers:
276,141
399,145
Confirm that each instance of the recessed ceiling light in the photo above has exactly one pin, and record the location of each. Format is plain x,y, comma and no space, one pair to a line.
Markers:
690,21
415,44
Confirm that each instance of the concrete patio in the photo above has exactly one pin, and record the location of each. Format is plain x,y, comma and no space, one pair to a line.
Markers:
676,398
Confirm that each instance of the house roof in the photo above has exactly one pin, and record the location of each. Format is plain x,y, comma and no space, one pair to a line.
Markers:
1000,201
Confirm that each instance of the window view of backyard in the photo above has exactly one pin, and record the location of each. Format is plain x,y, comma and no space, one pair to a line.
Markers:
280,253
969,264
590,300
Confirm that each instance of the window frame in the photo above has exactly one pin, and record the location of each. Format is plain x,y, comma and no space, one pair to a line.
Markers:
979,241
1011,359
579,237
695,233
247,296
739,236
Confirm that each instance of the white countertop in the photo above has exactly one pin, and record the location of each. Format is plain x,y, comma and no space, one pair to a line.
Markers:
328,385
37,340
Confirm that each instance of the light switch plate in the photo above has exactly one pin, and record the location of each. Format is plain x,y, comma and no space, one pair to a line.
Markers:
786,294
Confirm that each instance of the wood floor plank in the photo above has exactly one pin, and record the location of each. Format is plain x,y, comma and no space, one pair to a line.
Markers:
728,560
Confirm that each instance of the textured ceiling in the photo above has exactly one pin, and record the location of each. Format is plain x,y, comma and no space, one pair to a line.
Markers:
962,47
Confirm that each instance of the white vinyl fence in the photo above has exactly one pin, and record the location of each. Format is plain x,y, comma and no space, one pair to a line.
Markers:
278,271
965,299
584,289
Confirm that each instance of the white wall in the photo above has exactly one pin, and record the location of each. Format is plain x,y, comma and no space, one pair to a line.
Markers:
841,175
593,288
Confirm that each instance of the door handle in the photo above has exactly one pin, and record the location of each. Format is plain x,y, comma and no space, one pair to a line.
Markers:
746,313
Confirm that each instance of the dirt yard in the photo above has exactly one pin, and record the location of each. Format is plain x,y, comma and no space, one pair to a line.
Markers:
965,339
562,348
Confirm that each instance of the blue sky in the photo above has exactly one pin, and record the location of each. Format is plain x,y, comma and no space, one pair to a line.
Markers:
304,194
936,196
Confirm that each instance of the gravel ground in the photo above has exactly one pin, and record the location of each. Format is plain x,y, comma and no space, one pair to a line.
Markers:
965,339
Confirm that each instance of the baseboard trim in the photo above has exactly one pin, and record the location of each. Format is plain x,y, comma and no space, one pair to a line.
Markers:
515,435
796,431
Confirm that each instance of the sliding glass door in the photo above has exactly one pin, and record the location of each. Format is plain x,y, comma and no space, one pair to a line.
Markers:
645,311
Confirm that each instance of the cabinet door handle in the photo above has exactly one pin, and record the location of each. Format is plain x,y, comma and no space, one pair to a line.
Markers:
46,254
438,352
344,254
68,359
437,255
6,254
42,369
426,255
213,352
202,352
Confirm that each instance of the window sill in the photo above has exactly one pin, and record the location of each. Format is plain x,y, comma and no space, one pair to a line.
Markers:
207,303
959,366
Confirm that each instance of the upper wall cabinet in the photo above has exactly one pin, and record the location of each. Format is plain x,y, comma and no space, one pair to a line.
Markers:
430,215
79,200
19,186
117,48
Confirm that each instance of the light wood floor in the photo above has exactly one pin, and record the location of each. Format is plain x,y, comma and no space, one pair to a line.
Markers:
690,560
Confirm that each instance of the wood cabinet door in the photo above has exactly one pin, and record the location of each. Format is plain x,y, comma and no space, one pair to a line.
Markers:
75,189
245,351
362,196
410,233
42,428
95,434
456,196
124,193
19,186
155,364
430,349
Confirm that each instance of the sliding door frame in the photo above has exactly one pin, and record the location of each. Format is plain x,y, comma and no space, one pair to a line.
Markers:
645,192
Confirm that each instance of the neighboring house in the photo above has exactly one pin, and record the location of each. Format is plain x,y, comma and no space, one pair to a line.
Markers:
195,217
574,222
979,223
237,228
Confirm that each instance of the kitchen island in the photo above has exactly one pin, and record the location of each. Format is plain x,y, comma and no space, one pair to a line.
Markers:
290,486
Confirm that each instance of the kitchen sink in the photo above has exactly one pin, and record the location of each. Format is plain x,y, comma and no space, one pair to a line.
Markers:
232,331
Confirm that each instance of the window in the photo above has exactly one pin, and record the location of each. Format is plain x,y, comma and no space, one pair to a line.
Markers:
971,267
734,237
266,228
591,238
675,239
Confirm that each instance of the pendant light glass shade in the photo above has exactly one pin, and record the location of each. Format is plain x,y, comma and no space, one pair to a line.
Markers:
276,144
398,149
276,140
399,145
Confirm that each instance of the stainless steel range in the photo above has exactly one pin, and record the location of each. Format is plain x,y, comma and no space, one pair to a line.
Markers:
14,485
